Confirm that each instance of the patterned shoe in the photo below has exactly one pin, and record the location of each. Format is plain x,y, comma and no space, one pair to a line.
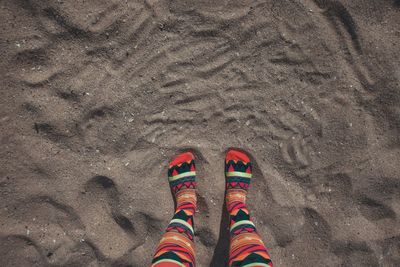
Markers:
182,180
238,173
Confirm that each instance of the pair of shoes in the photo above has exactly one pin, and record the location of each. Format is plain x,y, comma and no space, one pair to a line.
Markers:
182,178
176,248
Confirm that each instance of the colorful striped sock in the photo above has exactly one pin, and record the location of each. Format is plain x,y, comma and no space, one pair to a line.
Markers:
176,247
246,247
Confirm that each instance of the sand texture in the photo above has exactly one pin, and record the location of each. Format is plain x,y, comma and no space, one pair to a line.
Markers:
97,96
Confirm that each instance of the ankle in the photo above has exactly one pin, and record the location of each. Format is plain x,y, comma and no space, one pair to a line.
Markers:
186,199
235,200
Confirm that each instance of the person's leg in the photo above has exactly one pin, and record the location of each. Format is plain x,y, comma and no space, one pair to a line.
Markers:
176,247
246,247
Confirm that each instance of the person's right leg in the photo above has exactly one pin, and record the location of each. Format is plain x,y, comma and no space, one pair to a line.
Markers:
246,247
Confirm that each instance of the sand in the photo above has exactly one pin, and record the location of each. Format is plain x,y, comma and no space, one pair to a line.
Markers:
97,96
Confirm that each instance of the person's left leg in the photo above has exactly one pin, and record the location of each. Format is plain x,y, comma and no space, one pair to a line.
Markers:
176,247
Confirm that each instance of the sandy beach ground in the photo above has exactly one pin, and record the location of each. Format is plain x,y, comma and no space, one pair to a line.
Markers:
97,96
